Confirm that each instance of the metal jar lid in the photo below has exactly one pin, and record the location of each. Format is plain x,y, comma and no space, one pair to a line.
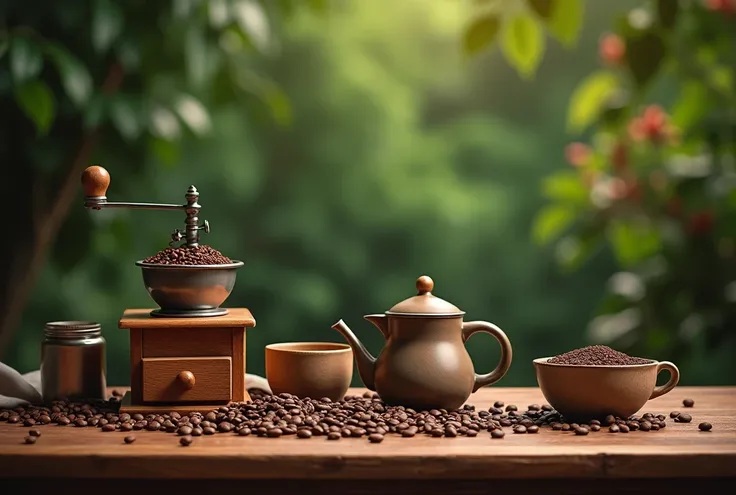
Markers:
72,329
425,303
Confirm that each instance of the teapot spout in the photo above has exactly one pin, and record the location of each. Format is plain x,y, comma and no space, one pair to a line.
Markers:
365,361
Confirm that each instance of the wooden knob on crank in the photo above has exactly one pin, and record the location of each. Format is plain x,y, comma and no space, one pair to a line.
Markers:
95,181
187,379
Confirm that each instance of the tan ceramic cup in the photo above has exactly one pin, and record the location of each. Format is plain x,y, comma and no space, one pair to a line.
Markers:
310,369
589,392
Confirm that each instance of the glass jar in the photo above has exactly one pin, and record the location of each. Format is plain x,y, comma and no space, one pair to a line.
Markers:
73,362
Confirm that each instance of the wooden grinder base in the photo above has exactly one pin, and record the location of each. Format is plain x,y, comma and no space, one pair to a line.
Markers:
185,364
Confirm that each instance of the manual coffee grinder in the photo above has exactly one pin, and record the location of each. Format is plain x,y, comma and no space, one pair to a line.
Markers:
189,354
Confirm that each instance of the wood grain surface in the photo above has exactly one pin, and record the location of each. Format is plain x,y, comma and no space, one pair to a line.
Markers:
188,342
212,379
141,318
678,452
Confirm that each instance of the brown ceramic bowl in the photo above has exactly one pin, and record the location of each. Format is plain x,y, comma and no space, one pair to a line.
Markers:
593,392
309,369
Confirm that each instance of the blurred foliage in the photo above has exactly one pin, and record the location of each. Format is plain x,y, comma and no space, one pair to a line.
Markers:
656,186
381,153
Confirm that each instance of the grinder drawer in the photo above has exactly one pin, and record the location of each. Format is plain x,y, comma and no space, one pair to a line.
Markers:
197,379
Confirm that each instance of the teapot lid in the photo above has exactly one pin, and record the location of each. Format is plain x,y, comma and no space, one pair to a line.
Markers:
425,303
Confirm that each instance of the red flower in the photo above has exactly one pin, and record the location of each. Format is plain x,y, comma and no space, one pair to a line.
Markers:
652,125
577,154
620,157
701,223
612,49
725,6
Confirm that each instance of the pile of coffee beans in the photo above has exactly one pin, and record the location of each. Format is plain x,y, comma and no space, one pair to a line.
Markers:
200,255
366,416
597,355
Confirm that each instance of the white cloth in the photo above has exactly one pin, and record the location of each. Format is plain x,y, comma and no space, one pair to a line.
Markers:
17,390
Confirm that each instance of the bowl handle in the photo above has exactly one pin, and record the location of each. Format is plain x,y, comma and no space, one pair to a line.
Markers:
674,379
472,327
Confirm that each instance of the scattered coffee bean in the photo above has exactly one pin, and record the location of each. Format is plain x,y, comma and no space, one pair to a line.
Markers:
498,404
597,355
532,429
35,433
595,427
129,439
333,435
30,439
623,428
109,427
511,408
674,414
581,430
519,429
688,403
498,433
186,441
208,430
705,426
185,431
613,428
683,418
305,433
375,438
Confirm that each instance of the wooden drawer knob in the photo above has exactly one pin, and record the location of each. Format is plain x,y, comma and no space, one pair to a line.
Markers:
187,378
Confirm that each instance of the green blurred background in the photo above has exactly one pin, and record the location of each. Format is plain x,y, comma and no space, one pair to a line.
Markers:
342,149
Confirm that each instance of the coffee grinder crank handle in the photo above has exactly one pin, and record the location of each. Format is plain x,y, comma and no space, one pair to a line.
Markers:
96,180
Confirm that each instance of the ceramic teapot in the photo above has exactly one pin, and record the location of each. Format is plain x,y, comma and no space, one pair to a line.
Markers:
424,364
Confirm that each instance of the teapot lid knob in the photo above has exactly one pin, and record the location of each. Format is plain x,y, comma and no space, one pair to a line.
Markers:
425,285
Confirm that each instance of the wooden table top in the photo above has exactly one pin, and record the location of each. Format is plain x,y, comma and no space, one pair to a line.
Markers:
678,451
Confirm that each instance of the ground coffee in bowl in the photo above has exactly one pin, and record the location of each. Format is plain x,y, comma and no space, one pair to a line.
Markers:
597,355
193,256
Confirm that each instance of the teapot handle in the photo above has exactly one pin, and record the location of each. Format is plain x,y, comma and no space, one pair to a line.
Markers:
472,327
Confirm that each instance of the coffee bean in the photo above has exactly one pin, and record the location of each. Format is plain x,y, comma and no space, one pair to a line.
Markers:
532,429
185,431
35,433
566,427
304,433
581,430
29,422
688,403
498,434
333,435
274,433
645,426
674,414
614,428
208,430
623,428
30,439
511,408
498,404
129,439
705,426
186,441
375,438
519,429
683,418
200,255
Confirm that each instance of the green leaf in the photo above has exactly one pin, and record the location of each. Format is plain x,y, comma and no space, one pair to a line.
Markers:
269,92
107,24
25,59
219,13
94,113
194,114
721,77
590,98
164,124
75,77
543,8
645,54
574,250
125,113
565,187
692,106
480,34
667,11
633,242
37,102
168,152
253,21
523,44
195,48
566,21
551,222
